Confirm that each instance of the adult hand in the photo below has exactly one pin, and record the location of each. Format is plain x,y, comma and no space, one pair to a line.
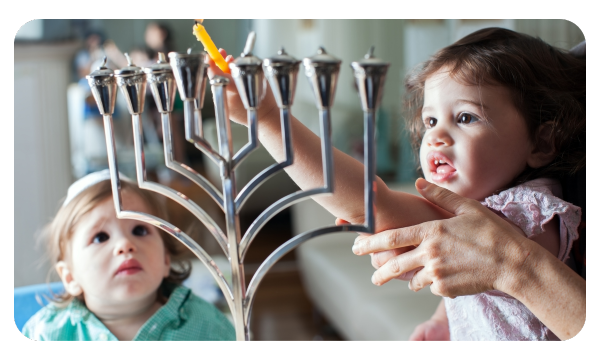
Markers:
380,258
473,252
267,107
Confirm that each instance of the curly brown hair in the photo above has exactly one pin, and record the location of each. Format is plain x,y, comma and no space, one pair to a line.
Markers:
547,84
57,234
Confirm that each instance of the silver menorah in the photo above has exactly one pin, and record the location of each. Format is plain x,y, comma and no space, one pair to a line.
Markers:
188,72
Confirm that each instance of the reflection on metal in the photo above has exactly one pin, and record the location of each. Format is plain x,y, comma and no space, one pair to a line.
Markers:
188,72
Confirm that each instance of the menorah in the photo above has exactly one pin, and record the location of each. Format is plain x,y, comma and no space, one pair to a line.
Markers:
188,72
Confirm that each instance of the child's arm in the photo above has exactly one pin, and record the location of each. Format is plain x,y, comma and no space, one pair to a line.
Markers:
434,329
393,209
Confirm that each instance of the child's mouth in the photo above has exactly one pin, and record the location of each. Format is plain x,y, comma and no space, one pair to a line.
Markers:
440,166
129,267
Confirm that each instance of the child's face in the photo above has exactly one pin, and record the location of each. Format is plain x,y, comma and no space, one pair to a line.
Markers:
117,261
460,151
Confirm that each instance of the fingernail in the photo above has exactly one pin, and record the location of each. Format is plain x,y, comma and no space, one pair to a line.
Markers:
422,183
356,249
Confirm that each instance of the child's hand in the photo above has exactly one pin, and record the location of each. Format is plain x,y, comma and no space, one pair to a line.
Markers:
431,330
267,109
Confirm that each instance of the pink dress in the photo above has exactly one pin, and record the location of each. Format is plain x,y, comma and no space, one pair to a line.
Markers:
494,315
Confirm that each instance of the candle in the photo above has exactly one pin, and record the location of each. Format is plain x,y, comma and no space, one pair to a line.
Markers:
210,47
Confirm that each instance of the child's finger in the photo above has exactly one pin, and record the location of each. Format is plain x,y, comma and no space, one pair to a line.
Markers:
339,222
214,70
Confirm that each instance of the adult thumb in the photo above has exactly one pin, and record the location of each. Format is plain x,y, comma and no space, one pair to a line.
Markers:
445,198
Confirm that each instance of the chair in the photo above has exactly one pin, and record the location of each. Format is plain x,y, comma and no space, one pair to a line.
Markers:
28,298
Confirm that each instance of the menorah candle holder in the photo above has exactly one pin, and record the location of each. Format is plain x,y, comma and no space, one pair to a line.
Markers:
188,72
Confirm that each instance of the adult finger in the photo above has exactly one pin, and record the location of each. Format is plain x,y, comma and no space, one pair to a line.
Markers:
407,276
381,257
420,280
396,267
446,199
389,239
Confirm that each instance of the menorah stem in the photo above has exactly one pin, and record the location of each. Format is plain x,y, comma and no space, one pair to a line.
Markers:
111,150
286,136
189,118
198,129
238,281
138,146
326,147
369,161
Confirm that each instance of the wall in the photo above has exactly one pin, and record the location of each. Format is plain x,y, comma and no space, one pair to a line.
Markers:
42,155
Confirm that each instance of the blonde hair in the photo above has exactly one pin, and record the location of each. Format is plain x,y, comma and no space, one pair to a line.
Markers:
57,234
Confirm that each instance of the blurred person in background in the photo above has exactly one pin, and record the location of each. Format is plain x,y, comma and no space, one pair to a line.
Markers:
157,38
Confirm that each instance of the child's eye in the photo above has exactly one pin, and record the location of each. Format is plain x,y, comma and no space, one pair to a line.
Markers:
465,118
100,237
430,122
140,230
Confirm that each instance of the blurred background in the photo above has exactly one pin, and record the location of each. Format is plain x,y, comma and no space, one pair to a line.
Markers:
59,134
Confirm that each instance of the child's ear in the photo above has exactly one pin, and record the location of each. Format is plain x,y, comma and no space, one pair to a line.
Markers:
167,264
71,286
544,150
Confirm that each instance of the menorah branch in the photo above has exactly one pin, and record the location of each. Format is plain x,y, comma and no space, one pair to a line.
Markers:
196,249
176,196
252,136
189,115
183,169
284,249
273,210
273,169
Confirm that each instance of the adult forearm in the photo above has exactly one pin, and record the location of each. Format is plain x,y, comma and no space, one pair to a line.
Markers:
549,288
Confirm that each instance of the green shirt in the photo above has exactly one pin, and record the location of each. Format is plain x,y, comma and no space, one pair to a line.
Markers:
185,316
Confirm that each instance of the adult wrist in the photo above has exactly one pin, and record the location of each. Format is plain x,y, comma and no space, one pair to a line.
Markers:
518,273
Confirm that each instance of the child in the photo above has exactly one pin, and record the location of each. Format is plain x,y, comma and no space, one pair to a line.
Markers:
497,117
117,274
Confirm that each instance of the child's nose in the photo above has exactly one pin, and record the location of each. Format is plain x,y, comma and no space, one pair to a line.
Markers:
439,137
124,246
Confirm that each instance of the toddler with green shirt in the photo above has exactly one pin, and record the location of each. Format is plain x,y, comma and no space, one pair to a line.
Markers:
117,273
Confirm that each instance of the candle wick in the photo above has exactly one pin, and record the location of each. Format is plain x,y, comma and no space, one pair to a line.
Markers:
370,52
129,62
249,44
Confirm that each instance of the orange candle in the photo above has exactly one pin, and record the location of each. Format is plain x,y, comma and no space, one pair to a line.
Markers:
210,47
